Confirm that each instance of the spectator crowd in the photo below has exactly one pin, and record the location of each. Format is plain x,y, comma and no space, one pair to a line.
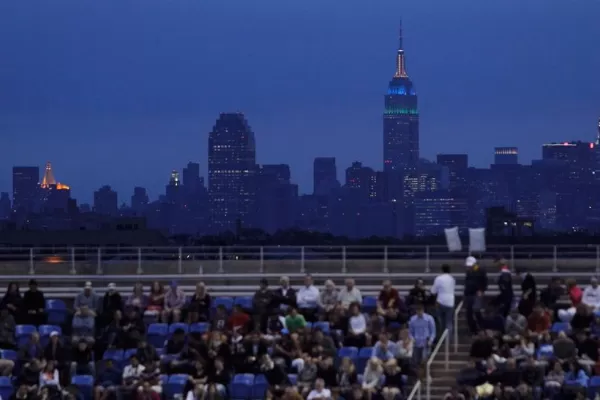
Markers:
281,343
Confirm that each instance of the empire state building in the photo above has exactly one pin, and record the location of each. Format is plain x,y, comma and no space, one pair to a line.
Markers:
400,120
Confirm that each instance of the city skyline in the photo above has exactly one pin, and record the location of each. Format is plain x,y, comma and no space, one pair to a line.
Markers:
468,63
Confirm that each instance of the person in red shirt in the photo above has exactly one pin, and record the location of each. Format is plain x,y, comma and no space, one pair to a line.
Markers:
575,295
390,305
539,322
238,319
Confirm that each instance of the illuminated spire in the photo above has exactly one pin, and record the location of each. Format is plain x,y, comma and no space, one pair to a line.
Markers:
598,134
48,176
400,64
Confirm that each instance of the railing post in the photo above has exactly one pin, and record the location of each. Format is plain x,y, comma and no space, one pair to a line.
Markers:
427,260
99,262
386,268
419,392
597,259
554,259
221,259
180,261
31,262
344,269
262,259
447,355
302,266
73,269
512,258
140,271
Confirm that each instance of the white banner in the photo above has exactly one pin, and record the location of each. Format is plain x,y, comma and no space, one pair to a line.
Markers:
477,240
453,239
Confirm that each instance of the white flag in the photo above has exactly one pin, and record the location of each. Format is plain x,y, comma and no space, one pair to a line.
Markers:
477,240
453,239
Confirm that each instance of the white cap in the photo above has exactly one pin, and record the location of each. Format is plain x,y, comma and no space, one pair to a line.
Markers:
53,333
88,285
470,261
112,286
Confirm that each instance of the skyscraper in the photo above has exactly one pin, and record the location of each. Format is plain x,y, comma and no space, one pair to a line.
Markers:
231,170
25,188
400,120
324,176
506,156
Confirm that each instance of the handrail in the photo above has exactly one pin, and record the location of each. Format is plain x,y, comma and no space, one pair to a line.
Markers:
416,391
443,339
455,324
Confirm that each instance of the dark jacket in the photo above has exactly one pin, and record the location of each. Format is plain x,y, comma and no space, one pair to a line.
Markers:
505,285
476,280
34,300
111,303
263,301
289,299
58,354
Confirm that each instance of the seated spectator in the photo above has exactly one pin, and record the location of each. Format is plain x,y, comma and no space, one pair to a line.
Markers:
113,331
287,351
23,393
111,302
219,319
417,295
349,295
215,347
356,393
390,306
196,393
591,295
50,378
539,322
82,361
174,303
263,304
394,380
275,376
199,306
131,377
238,320
107,381
564,347
219,377
307,299
515,327
294,321
510,375
55,351
327,371
582,319
423,330
86,305
405,345
133,329
384,349
373,376
7,330
471,375
357,328
146,353
30,374
150,378
307,375
554,380
156,301
576,375
492,320
32,349
524,350
285,295
255,349
320,392
454,394
329,298
34,305
324,343
346,376
532,372
482,347
137,299
147,392
12,300
586,349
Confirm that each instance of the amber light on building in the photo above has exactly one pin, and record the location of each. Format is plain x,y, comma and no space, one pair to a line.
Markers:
49,181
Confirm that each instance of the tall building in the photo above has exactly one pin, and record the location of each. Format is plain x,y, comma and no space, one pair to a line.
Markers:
105,201
4,206
324,176
25,182
458,167
400,120
139,200
192,181
231,171
54,196
362,179
506,156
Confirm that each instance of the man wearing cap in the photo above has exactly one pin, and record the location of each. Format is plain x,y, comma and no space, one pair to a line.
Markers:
476,283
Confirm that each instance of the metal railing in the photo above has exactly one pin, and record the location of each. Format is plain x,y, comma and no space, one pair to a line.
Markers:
444,339
299,259
415,392
455,325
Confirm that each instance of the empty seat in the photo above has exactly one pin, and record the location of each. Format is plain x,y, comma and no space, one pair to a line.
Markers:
243,301
157,334
23,333
369,304
200,327
226,302
85,384
175,385
57,311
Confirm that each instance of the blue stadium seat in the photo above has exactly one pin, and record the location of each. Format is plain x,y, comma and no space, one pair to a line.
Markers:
240,390
46,330
351,352
243,378
363,357
128,353
164,379
85,384
227,302
595,381
323,326
200,327
23,333
558,327
157,334
175,385
114,354
259,388
57,312
308,325
6,387
293,378
243,301
8,355
369,304
178,325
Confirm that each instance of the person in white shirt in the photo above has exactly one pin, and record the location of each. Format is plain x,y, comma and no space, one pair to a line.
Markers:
307,298
357,328
320,392
131,377
591,295
443,287
350,294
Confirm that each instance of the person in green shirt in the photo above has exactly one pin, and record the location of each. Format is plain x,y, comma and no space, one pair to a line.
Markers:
294,321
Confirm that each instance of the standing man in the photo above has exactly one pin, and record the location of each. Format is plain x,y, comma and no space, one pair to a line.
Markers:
443,288
476,282
422,329
505,286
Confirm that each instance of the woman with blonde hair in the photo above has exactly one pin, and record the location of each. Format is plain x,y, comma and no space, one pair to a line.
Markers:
373,377
393,380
